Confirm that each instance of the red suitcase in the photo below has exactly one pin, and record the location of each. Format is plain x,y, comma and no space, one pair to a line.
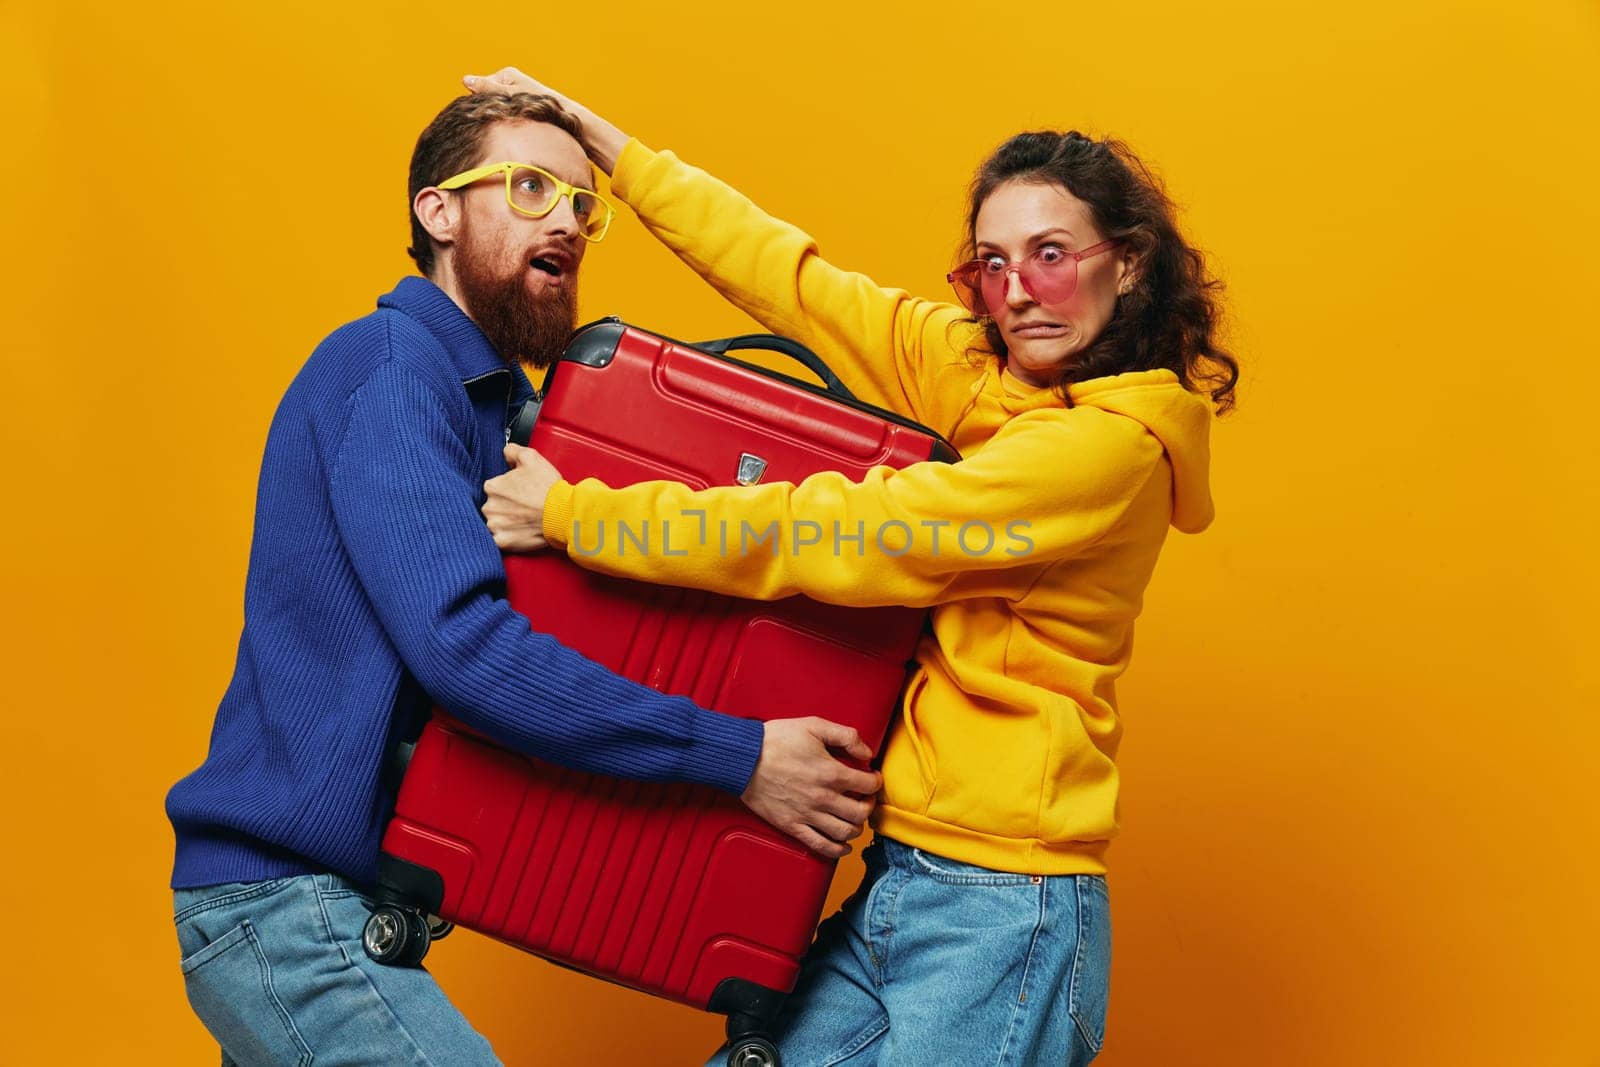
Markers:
676,890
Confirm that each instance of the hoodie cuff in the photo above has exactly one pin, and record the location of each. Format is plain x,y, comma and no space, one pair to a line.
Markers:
558,514
634,158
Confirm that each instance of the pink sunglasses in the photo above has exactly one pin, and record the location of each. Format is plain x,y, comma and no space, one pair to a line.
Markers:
1049,275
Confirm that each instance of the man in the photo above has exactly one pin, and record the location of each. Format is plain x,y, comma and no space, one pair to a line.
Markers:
374,588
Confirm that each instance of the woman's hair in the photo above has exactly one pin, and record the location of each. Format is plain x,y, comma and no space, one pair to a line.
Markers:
1167,319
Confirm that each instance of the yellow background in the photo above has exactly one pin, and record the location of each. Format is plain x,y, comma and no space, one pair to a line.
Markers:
1360,807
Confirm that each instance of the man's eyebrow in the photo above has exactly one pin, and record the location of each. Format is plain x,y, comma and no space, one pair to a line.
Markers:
585,182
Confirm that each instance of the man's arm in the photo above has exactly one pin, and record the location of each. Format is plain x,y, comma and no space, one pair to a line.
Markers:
403,496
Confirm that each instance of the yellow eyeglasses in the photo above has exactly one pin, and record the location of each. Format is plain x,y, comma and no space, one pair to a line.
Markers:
534,192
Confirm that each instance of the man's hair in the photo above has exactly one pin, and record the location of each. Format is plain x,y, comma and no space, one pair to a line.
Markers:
453,142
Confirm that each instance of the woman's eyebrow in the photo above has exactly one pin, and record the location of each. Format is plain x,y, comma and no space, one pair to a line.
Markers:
1036,238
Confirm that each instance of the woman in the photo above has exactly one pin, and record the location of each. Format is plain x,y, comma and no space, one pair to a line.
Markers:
1076,391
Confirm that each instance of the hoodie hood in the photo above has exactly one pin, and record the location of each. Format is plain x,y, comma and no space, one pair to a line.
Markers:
1179,419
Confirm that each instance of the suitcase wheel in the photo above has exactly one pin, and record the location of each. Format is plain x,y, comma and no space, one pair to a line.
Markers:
396,936
438,928
753,1050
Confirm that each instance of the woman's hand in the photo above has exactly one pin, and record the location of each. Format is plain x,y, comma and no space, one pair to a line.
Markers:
511,80
601,140
515,508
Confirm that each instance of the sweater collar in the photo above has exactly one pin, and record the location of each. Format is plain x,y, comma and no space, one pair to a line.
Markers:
469,350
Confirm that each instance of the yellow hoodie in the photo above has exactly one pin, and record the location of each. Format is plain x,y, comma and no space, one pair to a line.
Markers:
1034,551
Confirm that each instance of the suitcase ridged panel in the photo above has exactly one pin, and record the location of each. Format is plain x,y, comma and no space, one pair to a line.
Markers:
665,887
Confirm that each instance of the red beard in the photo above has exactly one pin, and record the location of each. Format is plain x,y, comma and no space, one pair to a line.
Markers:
531,327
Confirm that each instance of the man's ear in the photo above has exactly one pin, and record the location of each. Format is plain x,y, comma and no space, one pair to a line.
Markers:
439,214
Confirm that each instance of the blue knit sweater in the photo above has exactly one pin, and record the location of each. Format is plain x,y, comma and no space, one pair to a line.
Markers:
373,581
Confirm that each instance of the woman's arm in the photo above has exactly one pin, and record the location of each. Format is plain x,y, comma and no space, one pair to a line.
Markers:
1046,487
887,346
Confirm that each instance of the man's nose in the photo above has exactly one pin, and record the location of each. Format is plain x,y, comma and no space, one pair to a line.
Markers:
563,219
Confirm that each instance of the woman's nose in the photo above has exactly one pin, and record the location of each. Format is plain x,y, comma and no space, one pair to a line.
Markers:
1016,295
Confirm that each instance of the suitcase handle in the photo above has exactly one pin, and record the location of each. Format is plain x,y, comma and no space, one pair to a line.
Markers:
771,342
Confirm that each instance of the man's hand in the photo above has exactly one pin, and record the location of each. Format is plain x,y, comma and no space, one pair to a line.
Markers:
800,788
515,508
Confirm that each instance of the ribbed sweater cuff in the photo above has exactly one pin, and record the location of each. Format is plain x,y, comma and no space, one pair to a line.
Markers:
558,514
726,751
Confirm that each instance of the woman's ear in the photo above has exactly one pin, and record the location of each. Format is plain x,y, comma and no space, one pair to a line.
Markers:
1130,264
439,214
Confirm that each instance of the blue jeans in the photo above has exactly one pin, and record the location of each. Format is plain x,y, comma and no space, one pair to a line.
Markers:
932,961
277,973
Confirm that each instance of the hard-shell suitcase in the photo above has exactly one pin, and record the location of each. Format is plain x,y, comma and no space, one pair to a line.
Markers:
677,890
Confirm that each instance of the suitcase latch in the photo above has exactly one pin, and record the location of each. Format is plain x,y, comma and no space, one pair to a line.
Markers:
751,468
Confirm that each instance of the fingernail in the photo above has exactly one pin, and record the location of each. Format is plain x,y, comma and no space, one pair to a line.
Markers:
471,79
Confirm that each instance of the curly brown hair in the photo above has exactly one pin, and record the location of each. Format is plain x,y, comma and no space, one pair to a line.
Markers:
453,142
1168,318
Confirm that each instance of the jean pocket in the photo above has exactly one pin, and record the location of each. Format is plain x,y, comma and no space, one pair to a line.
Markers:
229,983
189,903
953,872
1090,990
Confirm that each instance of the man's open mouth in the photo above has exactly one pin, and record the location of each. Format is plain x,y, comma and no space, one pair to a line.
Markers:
552,269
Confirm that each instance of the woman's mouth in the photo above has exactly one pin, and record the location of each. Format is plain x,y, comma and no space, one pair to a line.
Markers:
1040,329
